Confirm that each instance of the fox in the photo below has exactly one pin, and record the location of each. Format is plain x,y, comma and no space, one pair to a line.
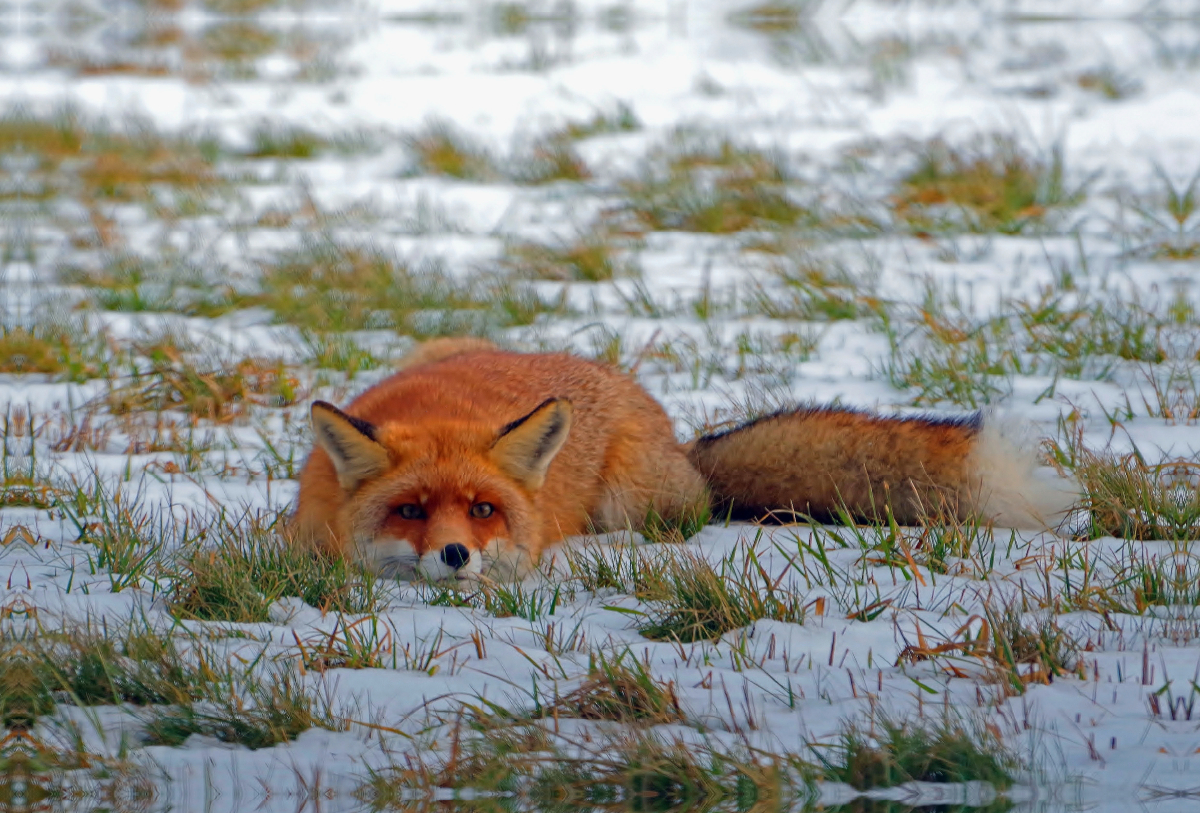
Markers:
469,460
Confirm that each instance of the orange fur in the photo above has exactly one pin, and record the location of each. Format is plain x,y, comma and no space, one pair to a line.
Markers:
439,424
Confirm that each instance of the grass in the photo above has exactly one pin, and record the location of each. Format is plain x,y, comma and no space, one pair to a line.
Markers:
230,47
1165,223
217,393
282,141
490,753
943,544
658,529
68,351
619,119
440,149
93,162
595,255
1025,650
178,692
328,288
360,644
140,668
893,752
132,284
696,183
250,563
337,351
127,542
943,361
810,290
941,352
1077,331
620,689
264,714
1127,497
685,597
1138,577
499,599
549,160
1015,648
992,186
774,16
93,666
285,142
1109,82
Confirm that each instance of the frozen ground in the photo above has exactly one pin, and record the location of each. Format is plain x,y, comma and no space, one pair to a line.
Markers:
576,175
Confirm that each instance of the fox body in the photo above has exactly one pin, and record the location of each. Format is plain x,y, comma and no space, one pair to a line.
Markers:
470,460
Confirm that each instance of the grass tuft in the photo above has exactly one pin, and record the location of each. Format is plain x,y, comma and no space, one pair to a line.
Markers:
620,689
133,284
492,754
263,715
1109,82
774,16
591,256
440,149
327,288
90,161
72,353
214,393
551,160
500,599
808,289
1166,226
894,752
1127,497
990,187
700,184
620,119
688,599
251,564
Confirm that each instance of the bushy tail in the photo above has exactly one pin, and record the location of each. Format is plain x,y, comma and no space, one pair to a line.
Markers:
823,462
1013,491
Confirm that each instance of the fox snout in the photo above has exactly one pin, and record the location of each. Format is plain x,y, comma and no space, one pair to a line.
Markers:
452,561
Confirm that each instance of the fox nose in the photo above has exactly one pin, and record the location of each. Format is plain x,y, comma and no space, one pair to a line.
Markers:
455,555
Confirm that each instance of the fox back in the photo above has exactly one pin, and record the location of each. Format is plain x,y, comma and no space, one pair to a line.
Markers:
470,459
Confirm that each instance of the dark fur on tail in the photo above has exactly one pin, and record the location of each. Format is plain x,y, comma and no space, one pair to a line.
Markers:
822,462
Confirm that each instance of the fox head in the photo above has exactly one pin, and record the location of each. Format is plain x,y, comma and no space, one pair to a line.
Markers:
445,499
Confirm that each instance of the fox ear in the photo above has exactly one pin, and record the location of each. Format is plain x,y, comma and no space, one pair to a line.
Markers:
526,446
350,443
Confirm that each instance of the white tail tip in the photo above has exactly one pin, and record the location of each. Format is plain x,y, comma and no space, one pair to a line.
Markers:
1014,492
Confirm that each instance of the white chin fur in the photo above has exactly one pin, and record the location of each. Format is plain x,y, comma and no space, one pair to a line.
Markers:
432,567
1014,491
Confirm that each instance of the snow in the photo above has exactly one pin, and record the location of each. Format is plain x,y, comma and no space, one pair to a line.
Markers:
968,68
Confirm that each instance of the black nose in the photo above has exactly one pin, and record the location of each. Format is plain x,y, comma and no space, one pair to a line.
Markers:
455,555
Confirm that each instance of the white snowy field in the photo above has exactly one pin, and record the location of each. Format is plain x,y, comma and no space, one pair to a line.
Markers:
214,212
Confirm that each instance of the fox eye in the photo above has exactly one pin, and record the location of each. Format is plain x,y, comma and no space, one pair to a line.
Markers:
482,510
410,510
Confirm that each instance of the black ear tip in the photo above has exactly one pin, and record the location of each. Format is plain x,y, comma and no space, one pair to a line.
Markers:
324,406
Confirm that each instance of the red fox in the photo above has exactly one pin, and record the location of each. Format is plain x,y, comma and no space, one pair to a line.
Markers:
470,459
